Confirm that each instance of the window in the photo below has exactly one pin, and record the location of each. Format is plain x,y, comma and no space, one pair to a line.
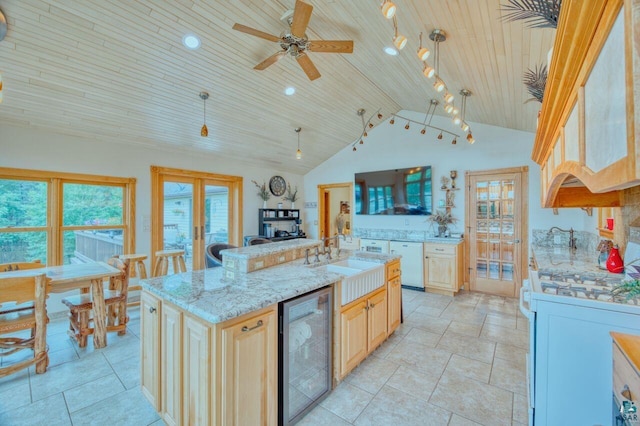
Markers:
62,218
417,188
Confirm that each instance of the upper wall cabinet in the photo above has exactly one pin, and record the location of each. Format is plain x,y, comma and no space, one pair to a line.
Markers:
586,141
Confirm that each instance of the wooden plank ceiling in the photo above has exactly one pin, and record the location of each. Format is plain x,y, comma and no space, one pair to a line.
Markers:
117,71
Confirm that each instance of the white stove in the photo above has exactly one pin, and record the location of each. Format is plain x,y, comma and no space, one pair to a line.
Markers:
586,286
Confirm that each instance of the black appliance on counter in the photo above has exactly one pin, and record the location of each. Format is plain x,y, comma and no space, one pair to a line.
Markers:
304,353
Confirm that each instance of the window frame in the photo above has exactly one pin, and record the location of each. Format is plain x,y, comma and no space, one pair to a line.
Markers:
55,228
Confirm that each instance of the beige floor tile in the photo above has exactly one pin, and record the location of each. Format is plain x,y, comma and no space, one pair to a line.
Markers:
482,403
92,392
465,328
423,337
413,382
505,335
372,374
468,367
463,312
321,416
387,346
520,409
15,396
393,407
61,356
125,408
128,371
347,401
428,323
509,375
69,375
457,420
471,347
430,310
51,411
503,320
420,357
13,380
512,353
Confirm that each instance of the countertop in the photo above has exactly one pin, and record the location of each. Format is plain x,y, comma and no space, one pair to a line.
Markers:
215,298
563,262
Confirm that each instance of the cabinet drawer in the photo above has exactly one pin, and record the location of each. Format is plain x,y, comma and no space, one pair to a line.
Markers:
624,375
393,269
440,248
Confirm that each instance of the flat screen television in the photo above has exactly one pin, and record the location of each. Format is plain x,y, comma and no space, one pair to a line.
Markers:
394,192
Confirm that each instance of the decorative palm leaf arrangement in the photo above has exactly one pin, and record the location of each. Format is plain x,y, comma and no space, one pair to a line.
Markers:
535,80
536,13
630,288
263,192
292,195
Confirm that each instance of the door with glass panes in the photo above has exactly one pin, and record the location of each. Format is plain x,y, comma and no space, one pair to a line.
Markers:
497,225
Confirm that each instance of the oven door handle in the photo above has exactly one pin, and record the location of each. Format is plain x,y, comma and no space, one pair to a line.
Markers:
525,294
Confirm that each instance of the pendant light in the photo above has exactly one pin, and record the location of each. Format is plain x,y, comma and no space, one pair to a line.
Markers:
298,152
204,132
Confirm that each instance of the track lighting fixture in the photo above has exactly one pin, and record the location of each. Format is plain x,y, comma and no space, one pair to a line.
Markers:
388,9
440,135
354,148
423,131
365,125
392,121
463,124
298,152
379,116
406,127
454,141
426,123
204,132
399,41
423,52
470,138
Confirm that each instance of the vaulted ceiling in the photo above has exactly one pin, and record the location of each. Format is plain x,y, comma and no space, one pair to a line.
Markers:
118,71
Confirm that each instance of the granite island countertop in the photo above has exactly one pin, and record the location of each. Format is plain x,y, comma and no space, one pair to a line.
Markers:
211,295
563,262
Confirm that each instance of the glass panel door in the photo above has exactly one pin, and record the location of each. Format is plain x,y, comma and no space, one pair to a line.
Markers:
494,233
177,219
216,214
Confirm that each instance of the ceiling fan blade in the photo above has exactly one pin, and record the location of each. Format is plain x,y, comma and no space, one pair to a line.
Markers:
301,16
331,46
269,61
307,66
254,32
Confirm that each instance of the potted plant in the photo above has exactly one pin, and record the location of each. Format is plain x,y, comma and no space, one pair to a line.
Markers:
442,218
263,193
291,196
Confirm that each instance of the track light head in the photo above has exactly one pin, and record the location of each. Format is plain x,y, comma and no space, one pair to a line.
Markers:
457,120
428,71
406,126
354,148
438,85
379,116
423,53
440,135
464,126
448,97
364,135
371,125
361,141
454,141
470,139
448,108
392,121
399,41
388,9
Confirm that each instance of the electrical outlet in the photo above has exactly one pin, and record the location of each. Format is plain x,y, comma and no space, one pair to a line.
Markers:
557,239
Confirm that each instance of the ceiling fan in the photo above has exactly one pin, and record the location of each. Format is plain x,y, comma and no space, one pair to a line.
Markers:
294,41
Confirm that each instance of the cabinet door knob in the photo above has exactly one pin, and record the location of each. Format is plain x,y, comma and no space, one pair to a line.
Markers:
152,310
626,392
258,324
373,305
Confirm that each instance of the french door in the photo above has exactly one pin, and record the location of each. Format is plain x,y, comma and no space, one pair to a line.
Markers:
497,224
191,210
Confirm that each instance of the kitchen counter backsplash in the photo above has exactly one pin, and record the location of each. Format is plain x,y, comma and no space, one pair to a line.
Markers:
585,241
396,234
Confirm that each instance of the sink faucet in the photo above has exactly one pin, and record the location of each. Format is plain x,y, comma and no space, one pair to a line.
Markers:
306,257
572,240
317,259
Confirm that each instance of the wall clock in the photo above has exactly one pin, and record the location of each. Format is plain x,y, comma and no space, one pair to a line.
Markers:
277,185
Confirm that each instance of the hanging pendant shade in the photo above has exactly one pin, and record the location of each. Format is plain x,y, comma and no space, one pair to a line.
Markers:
204,131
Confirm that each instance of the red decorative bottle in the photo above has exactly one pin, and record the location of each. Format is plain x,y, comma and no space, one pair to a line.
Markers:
614,262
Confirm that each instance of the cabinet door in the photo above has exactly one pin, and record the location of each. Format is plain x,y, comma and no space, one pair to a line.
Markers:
441,271
394,301
171,365
353,345
150,343
377,320
250,371
196,371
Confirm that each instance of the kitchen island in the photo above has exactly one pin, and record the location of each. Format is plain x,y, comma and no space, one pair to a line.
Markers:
210,337
571,312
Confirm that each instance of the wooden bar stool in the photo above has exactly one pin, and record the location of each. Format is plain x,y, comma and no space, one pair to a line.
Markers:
162,262
137,272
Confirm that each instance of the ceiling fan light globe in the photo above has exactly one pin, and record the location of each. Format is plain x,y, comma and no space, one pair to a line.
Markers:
400,41
388,9
423,53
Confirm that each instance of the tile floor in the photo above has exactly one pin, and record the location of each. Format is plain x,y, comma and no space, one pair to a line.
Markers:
454,361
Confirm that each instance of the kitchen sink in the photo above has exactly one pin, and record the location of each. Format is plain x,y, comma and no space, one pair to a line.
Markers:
359,277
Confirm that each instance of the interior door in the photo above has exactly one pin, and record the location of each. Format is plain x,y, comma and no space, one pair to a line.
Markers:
497,224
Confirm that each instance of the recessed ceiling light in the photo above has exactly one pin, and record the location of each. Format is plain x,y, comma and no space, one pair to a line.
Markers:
289,91
390,51
191,41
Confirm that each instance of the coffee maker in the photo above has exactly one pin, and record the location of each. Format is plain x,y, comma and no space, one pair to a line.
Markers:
297,226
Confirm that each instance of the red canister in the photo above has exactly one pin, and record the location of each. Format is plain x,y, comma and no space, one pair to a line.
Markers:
615,263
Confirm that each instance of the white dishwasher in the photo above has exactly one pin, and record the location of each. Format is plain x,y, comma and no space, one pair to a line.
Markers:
374,246
412,262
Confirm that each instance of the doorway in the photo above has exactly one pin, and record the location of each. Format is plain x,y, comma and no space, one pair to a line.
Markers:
497,220
193,209
334,209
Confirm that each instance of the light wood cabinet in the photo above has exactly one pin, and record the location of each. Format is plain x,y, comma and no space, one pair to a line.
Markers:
443,268
394,296
586,141
249,353
150,344
189,381
363,326
626,375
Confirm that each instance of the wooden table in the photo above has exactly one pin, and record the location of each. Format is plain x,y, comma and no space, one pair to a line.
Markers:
79,276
